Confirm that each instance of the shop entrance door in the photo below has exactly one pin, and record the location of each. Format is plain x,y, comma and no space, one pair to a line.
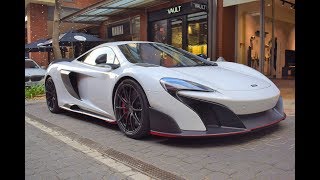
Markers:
177,34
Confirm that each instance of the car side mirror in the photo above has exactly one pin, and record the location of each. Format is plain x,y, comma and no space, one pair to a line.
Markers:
102,59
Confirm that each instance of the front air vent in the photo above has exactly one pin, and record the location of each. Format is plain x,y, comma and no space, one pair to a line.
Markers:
213,114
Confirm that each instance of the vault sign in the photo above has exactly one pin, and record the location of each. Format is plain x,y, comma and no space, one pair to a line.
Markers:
174,10
199,6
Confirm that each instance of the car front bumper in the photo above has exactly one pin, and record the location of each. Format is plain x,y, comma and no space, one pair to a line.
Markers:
218,120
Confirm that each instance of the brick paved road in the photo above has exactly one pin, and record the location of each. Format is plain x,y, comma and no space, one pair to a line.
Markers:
49,158
267,154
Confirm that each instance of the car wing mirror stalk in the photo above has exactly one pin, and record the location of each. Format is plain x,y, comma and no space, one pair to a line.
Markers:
108,66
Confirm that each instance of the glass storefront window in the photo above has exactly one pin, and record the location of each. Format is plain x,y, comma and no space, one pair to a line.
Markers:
188,32
279,39
159,31
176,32
197,33
135,28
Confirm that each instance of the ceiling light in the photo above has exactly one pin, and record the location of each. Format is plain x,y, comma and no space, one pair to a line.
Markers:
255,14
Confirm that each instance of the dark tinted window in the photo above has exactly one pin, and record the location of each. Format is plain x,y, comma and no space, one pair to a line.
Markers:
30,64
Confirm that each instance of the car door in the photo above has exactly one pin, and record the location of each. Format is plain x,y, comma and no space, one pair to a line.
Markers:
95,82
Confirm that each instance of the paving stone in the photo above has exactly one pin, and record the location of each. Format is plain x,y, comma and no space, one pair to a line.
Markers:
200,174
61,163
139,177
286,166
215,166
238,157
217,176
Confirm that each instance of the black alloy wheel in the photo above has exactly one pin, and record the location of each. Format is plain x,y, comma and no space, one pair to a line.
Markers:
51,96
131,109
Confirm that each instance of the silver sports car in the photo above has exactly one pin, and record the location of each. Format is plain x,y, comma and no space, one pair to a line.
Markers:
34,74
153,88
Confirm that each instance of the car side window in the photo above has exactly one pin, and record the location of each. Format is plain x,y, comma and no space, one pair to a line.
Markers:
111,57
101,55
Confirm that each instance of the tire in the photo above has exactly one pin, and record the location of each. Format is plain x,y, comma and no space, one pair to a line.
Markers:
131,109
51,96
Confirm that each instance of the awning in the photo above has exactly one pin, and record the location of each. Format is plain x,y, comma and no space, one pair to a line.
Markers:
102,11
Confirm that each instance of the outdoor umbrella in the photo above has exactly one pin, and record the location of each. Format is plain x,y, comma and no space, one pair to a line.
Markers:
74,37
38,46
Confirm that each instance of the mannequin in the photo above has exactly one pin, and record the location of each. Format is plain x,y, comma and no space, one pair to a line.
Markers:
250,51
275,54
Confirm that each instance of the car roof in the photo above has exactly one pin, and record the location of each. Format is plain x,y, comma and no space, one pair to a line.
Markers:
122,42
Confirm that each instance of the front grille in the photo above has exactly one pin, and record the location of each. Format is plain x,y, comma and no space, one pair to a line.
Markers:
26,78
36,78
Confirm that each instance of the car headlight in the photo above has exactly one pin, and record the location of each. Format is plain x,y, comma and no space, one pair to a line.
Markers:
173,85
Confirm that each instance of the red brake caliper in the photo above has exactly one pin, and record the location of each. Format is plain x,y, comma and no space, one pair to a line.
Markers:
125,110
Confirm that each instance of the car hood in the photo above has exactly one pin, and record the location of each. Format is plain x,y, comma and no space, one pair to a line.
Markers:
33,72
222,78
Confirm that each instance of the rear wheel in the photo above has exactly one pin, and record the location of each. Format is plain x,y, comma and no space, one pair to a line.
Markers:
131,109
51,96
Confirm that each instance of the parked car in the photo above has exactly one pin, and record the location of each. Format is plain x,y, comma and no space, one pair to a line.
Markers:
154,88
34,74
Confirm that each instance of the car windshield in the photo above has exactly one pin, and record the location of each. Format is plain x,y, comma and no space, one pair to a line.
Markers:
161,54
30,64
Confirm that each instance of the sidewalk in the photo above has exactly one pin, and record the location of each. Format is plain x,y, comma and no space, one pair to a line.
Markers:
49,158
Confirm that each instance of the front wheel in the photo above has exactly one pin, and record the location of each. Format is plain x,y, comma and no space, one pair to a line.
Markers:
51,96
131,109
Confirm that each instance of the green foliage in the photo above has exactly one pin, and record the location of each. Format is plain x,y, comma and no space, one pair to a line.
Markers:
34,90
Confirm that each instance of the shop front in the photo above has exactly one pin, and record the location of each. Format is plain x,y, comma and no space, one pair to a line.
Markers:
183,26
274,53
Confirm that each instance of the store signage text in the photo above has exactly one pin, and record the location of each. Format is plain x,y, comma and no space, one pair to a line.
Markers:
199,6
174,10
117,30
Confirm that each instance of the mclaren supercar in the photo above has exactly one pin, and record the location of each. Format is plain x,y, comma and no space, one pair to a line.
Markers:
154,88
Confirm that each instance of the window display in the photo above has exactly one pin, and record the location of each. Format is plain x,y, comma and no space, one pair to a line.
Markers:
159,31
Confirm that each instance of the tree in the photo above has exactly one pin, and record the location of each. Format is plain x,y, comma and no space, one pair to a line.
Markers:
56,30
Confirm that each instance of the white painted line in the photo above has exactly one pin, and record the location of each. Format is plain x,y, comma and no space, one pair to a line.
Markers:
113,164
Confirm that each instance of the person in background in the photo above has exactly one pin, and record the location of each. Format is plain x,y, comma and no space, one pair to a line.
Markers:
159,34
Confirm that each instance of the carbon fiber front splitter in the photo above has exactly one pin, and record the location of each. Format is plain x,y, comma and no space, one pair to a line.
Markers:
251,122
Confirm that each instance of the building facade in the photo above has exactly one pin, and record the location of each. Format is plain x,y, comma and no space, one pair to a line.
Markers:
181,23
